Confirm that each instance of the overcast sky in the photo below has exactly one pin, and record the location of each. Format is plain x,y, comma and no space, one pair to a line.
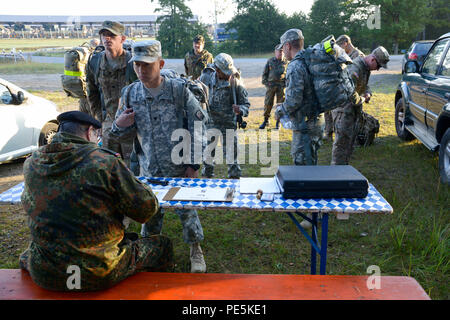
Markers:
203,8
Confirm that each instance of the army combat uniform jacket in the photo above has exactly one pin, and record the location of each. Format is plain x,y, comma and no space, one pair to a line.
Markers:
301,105
274,78
195,63
275,72
156,119
223,117
76,196
346,118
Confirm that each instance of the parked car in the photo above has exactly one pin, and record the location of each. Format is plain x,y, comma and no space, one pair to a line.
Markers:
422,103
417,51
26,121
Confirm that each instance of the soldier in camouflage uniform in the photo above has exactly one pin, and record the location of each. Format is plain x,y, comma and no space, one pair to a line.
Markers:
345,118
76,195
107,73
345,43
197,59
152,109
274,79
301,104
221,80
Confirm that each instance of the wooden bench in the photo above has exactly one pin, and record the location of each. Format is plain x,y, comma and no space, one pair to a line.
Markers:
17,284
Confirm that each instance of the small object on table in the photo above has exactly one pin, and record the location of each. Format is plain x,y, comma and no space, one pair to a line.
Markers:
259,194
158,182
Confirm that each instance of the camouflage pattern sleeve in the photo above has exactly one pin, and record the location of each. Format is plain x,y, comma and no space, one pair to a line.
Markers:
265,75
93,94
242,99
295,84
134,199
185,64
195,113
115,129
355,98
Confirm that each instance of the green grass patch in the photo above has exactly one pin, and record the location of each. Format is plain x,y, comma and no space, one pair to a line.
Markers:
31,68
413,241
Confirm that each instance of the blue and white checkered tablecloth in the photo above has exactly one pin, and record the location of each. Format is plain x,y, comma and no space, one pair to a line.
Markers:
373,203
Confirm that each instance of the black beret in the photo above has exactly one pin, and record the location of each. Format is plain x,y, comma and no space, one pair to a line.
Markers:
79,117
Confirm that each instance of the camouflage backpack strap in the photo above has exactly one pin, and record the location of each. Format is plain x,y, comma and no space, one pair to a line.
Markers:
178,93
130,74
94,64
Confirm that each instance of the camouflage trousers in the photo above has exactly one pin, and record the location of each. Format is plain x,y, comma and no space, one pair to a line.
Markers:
306,142
123,146
192,228
271,92
234,169
345,132
328,130
154,254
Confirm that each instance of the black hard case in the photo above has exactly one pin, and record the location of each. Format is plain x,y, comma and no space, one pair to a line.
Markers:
322,182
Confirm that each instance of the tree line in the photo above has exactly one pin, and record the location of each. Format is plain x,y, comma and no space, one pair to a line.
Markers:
258,24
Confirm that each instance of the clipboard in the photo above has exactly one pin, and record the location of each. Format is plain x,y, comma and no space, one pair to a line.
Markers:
200,194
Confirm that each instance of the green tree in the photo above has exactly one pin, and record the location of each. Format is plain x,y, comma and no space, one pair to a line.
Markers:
259,25
439,22
401,21
327,17
176,31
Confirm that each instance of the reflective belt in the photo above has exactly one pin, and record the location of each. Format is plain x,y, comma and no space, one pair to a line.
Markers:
73,73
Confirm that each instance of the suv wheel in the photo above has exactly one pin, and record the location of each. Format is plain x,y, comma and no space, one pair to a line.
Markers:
47,133
444,158
400,117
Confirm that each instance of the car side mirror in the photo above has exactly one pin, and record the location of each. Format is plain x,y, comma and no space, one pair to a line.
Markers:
20,97
411,66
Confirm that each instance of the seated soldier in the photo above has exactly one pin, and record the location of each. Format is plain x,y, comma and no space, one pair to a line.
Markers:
76,196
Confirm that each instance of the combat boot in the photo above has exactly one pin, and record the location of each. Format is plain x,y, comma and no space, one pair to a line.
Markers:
198,264
264,124
277,125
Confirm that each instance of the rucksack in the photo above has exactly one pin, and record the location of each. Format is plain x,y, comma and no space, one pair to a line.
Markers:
368,126
327,64
74,78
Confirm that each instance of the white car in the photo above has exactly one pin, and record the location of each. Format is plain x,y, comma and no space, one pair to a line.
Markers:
26,121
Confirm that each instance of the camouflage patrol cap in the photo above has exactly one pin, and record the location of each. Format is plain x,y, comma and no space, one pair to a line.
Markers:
199,38
146,51
278,47
115,27
290,35
382,56
78,117
224,62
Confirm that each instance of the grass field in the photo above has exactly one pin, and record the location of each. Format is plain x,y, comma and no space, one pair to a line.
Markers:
413,241
31,68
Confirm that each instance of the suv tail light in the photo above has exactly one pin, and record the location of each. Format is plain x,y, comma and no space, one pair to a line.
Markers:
412,56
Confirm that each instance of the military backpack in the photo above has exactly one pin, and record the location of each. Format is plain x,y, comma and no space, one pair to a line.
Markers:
74,78
327,65
368,126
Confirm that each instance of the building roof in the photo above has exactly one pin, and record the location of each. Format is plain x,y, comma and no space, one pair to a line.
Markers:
27,19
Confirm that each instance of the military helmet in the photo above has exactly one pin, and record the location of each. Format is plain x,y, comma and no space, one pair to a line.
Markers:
382,56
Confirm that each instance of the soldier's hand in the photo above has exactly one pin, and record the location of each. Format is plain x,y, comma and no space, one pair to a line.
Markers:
126,119
236,109
367,97
276,114
191,173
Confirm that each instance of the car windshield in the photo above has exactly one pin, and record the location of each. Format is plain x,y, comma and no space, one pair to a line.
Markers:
422,48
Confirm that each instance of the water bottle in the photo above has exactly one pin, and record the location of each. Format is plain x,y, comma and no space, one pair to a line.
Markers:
284,119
